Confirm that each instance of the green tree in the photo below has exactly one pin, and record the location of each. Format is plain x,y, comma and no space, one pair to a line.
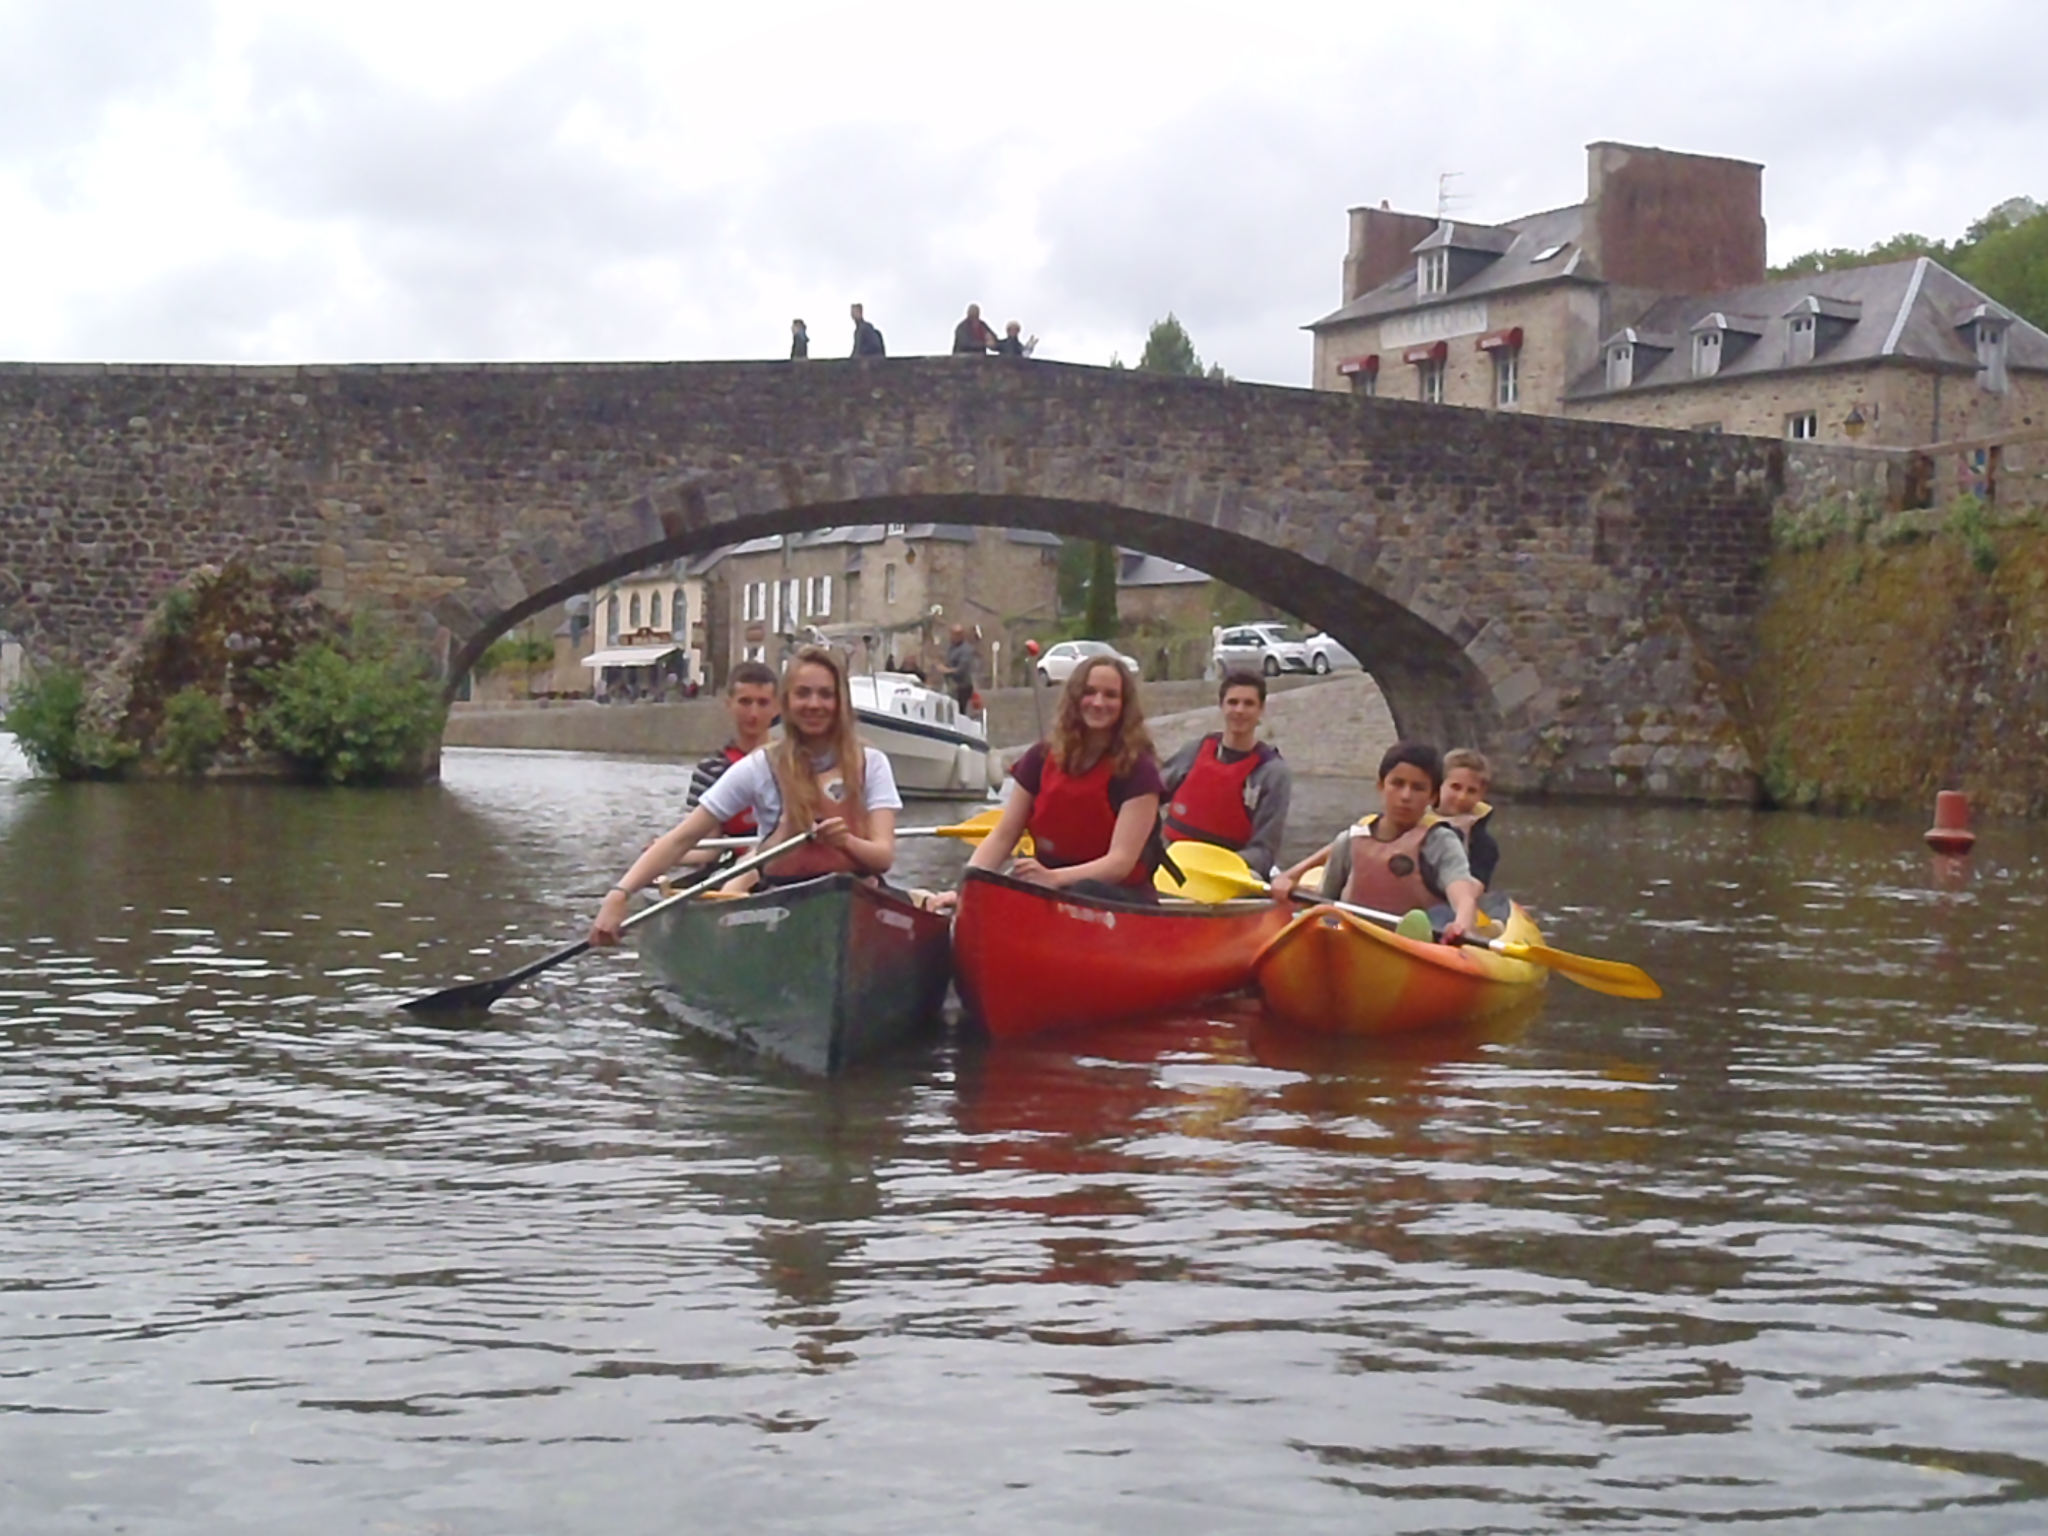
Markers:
1169,349
2011,264
1100,616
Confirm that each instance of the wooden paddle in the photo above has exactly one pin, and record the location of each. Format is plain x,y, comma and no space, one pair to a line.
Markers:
1217,874
475,996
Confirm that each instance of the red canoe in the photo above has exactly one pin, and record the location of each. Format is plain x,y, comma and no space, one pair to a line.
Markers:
1029,959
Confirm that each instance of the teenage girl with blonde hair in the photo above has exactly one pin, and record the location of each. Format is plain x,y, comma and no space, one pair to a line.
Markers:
818,779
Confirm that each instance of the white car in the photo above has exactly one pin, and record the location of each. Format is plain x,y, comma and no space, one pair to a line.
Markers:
1326,655
1266,648
1058,663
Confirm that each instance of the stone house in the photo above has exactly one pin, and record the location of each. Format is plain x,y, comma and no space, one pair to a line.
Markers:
883,589
1649,304
646,632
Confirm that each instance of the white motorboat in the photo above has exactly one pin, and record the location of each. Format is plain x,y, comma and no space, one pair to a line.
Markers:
937,750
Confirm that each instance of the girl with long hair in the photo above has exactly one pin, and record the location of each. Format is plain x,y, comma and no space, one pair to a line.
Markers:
1089,795
818,779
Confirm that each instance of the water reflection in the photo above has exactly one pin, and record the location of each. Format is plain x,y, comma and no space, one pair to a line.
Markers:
280,1257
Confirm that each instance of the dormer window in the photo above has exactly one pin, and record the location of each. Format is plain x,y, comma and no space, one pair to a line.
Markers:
1621,365
1433,272
1800,347
1983,330
1706,354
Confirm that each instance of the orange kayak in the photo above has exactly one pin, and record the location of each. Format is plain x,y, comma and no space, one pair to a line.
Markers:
1337,974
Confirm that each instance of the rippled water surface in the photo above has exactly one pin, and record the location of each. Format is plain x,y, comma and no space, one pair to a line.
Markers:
275,1256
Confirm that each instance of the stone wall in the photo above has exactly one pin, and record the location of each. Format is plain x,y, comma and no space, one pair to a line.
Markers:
1894,663
1578,598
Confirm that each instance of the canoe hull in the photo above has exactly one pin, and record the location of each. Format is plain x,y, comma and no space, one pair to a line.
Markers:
821,975
1031,960
1335,974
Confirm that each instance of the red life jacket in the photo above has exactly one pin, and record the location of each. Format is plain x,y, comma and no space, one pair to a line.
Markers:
1072,821
741,825
1209,805
1388,876
814,858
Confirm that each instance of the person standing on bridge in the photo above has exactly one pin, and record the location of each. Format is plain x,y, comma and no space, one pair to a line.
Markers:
1013,343
972,336
867,338
1230,788
799,341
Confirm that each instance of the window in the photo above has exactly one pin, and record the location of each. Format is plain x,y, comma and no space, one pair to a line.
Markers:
1430,382
1620,366
1801,346
895,530
679,611
1706,354
654,610
818,599
1363,383
1991,368
755,653
633,611
888,583
611,619
1549,251
790,612
1507,378
1433,272
1709,427
754,602
1803,426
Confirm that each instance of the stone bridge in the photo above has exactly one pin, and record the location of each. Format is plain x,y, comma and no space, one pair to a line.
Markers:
1576,598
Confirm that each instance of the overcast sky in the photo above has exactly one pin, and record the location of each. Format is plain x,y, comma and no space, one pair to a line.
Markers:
339,180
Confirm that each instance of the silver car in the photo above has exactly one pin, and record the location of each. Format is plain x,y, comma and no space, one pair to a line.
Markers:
1266,648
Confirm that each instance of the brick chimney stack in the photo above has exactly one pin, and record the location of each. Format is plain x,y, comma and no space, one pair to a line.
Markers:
1671,222
1382,244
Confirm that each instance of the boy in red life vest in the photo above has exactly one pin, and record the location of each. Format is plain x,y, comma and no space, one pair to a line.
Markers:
1230,788
1462,802
750,701
1406,858
1089,796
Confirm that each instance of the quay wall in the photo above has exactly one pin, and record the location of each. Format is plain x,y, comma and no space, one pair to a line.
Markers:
1903,658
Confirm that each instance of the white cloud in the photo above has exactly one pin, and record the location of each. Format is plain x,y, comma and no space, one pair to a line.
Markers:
271,179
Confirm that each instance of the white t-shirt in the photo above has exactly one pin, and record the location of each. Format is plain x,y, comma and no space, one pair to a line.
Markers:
749,785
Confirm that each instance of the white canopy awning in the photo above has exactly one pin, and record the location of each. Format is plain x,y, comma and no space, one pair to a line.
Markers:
630,656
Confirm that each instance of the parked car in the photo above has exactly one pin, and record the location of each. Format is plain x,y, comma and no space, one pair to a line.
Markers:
1266,648
1058,663
1326,655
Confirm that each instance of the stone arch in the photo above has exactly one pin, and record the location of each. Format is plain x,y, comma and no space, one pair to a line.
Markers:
1429,661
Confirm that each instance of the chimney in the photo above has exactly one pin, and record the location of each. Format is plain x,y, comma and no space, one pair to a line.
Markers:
1382,245
1671,222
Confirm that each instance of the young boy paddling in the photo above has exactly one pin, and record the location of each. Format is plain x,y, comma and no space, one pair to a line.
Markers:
1462,802
817,779
1230,788
751,701
1404,859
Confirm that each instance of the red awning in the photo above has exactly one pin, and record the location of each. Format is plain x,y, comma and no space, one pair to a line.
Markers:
1502,341
1433,352
1367,364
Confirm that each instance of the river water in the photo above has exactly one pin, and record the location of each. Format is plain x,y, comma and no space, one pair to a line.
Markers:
275,1256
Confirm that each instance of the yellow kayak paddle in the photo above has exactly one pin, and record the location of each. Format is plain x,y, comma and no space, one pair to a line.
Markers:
1217,874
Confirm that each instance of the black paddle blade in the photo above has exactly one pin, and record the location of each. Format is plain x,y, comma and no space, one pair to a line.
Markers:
476,996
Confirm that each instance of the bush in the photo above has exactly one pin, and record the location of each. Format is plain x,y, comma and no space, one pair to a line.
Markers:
523,653
47,717
351,712
195,725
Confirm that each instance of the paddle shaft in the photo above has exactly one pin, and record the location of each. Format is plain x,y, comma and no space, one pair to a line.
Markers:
481,994
962,830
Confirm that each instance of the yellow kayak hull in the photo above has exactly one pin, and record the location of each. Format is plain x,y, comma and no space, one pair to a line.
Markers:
1335,974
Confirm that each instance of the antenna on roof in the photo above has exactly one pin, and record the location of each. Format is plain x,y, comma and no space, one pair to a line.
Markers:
1445,197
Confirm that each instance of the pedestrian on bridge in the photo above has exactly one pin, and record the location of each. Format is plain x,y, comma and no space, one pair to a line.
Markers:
799,340
867,337
972,336
1013,344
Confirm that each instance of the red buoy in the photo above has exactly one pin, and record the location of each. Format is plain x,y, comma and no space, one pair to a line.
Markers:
1951,830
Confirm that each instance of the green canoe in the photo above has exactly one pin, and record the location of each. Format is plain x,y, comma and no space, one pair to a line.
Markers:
822,975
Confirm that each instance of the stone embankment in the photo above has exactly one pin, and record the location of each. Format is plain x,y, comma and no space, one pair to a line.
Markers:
1337,725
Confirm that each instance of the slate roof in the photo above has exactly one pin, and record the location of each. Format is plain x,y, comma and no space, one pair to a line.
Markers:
1137,569
857,534
1521,241
1905,310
